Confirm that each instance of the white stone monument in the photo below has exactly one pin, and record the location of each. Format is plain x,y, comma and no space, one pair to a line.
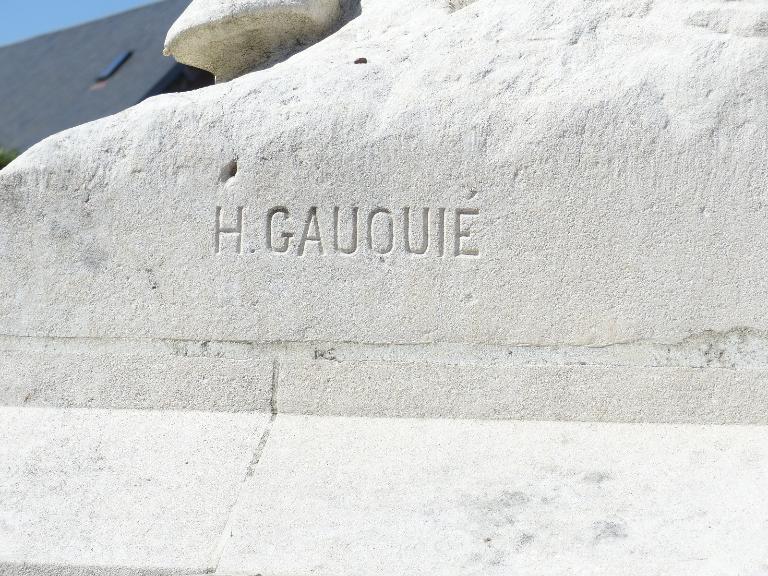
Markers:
421,287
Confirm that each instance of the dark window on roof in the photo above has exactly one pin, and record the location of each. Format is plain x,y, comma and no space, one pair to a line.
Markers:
114,66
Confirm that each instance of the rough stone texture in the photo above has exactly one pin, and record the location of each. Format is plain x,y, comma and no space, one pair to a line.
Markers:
504,391
706,379
118,492
614,151
231,37
594,173
145,493
342,497
134,381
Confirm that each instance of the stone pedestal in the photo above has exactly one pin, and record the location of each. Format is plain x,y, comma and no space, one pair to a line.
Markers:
438,288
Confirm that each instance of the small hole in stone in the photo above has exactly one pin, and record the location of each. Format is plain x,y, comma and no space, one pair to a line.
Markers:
229,171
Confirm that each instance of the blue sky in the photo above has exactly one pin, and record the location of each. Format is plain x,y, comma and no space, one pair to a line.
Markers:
22,19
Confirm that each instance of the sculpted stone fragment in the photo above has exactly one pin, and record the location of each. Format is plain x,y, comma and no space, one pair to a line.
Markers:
230,37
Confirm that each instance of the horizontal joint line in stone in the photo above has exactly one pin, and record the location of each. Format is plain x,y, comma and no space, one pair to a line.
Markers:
739,348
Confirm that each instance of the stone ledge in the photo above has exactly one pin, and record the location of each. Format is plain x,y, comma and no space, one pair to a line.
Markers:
351,496
715,379
134,381
87,495
509,391
119,492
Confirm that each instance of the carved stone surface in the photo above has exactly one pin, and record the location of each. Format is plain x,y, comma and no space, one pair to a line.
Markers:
444,209
231,37
570,189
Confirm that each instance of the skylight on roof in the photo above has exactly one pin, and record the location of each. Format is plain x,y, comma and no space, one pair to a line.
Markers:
114,66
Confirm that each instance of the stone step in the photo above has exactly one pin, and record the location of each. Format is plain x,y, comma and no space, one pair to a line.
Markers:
105,492
118,492
711,379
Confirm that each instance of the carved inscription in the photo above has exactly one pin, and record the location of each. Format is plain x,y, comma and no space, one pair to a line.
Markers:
221,229
422,231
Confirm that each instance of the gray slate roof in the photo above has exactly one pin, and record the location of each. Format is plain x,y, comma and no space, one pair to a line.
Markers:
46,82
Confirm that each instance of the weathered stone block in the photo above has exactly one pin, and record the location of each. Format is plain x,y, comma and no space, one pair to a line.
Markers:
590,188
349,496
114,379
113,492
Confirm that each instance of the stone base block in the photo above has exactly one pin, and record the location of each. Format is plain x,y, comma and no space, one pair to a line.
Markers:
118,492
122,492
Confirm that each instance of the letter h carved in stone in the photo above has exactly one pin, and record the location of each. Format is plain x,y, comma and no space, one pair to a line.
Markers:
220,229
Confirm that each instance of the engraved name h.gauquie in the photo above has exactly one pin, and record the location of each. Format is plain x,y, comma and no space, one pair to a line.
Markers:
346,231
